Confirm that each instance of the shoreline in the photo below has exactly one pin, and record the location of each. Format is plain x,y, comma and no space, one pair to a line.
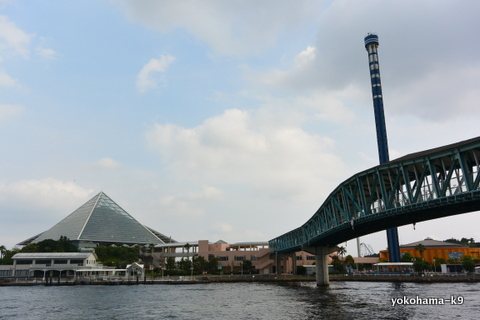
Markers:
427,278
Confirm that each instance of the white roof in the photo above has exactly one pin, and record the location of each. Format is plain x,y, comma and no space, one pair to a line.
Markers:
51,255
381,264
177,244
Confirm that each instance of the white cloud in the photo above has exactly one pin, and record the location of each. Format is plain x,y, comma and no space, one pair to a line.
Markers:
146,79
8,111
45,53
242,148
12,39
48,193
108,163
236,28
7,81
208,193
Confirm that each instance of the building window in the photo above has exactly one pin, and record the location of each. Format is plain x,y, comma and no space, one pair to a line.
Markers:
60,261
310,257
223,258
21,272
299,258
78,262
254,258
24,261
5,272
239,258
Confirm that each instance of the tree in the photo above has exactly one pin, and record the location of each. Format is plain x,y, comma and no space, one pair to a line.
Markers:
212,265
199,265
3,249
247,266
421,265
116,256
406,257
187,247
349,261
337,263
185,265
7,256
468,264
170,265
420,248
452,240
341,251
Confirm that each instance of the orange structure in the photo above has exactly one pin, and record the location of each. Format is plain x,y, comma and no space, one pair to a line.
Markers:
435,249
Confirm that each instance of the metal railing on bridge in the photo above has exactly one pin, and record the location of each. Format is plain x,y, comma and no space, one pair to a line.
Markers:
421,186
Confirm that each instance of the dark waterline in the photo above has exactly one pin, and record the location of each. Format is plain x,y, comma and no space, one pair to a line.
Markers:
301,300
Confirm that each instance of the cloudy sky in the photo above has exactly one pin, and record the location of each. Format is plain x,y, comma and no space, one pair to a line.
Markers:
227,120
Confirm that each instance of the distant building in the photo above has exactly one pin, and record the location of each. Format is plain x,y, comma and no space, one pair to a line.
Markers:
230,256
72,265
100,221
436,249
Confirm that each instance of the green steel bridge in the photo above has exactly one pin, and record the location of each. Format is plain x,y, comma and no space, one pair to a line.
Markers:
421,186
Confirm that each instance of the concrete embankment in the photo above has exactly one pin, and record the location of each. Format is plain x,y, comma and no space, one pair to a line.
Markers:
427,278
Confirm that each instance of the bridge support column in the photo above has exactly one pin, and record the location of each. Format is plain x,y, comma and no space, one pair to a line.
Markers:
321,262
294,263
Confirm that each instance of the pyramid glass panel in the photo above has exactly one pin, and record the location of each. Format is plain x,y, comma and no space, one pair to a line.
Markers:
72,225
108,222
100,220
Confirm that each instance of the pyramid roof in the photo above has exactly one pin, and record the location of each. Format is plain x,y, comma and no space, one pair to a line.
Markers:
100,220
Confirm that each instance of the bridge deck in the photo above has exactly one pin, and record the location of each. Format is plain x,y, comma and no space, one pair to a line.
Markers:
421,186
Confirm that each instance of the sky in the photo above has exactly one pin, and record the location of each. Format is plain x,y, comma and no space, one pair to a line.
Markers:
231,120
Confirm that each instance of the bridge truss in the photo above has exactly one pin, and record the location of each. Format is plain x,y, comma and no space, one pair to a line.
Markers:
426,185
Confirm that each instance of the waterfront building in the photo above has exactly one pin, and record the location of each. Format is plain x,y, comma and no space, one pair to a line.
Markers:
230,256
435,249
55,264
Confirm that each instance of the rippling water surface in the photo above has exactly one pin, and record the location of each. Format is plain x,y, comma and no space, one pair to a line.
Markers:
342,300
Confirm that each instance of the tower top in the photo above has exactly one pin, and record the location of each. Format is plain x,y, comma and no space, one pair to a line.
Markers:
371,39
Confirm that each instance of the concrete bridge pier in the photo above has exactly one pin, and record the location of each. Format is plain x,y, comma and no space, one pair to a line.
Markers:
321,262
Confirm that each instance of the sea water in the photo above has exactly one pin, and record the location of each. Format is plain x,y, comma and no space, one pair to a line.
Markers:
296,300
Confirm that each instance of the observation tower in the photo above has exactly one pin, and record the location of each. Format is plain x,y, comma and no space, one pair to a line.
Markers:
371,44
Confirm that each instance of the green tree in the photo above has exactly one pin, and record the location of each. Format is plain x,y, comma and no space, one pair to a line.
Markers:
7,256
212,265
187,247
341,251
337,264
185,265
116,256
421,265
406,257
170,264
247,266
199,264
420,248
468,264
349,261
437,263
452,240
3,249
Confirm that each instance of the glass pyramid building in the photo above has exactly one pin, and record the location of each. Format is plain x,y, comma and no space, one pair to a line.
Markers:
100,221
